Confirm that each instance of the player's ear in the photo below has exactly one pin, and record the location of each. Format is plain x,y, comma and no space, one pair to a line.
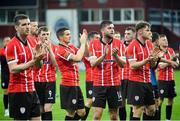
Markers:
16,27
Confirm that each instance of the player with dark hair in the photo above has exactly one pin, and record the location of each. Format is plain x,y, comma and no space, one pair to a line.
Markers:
140,92
105,60
166,82
67,56
89,75
5,75
23,99
46,75
129,35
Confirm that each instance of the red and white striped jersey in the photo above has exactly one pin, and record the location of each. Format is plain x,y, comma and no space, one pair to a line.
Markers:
122,71
139,52
126,67
17,52
34,41
47,73
69,69
89,70
106,73
167,74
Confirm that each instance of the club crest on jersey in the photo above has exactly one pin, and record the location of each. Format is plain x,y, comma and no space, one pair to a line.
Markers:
22,110
90,92
74,101
136,98
93,99
3,84
50,95
161,91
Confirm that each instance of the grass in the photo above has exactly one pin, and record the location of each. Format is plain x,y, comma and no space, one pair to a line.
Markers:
59,114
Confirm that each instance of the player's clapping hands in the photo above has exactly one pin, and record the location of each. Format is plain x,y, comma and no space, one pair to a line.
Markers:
83,37
39,52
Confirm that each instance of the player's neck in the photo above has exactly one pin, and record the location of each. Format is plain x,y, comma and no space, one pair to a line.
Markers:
106,40
22,37
64,44
141,39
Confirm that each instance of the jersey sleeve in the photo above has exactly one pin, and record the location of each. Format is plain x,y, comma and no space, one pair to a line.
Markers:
63,53
11,53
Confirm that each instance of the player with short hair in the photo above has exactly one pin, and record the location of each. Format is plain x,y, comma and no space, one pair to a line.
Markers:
129,35
105,60
23,99
67,56
89,75
46,75
4,75
140,93
166,82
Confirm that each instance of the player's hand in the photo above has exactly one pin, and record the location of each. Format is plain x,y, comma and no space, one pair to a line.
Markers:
47,45
174,64
83,37
39,52
114,51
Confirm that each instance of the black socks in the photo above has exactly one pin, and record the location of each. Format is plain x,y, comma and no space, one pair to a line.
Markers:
122,113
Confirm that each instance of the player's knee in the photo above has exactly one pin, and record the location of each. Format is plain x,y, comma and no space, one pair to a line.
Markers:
47,107
137,111
151,111
113,117
81,112
96,117
89,102
170,101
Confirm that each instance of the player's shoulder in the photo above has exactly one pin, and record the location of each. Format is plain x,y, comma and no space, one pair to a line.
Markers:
133,43
170,49
13,41
95,41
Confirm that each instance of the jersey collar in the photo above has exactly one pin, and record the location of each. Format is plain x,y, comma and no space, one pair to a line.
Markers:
24,42
106,43
141,42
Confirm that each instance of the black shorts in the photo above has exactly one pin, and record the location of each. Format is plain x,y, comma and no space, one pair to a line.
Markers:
140,94
89,89
24,105
4,82
167,89
155,91
110,93
124,87
71,97
46,92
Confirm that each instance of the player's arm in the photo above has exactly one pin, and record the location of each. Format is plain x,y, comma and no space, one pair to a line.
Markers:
51,53
132,58
80,53
13,61
118,59
52,57
165,63
136,65
17,68
95,61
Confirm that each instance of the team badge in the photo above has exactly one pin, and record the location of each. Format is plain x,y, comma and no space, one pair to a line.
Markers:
93,99
136,98
161,91
3,84
22,110
74,101
90,92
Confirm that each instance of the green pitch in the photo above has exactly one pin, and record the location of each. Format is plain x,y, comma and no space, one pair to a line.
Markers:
59,114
